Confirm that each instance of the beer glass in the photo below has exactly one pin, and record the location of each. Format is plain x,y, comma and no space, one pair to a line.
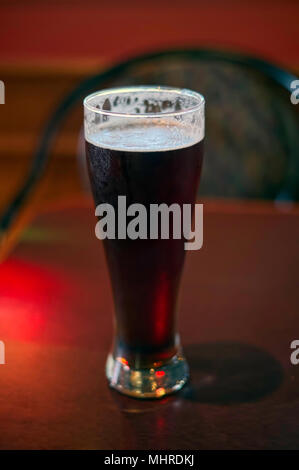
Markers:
144,147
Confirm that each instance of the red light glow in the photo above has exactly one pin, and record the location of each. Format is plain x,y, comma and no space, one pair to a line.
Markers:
160,373
26,291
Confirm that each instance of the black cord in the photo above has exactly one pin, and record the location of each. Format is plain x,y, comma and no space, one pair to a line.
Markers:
41,154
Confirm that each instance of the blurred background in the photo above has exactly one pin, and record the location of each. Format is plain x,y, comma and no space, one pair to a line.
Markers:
242,287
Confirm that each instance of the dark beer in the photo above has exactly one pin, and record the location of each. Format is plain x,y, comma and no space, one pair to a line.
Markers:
144,148
145,273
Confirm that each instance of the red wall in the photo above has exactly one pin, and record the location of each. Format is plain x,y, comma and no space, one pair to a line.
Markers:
117,28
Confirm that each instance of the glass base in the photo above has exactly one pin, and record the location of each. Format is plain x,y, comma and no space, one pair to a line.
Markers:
148,383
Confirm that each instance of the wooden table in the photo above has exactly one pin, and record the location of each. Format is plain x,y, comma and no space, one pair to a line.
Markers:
238,316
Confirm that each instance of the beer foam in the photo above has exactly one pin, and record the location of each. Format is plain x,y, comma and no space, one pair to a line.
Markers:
145,136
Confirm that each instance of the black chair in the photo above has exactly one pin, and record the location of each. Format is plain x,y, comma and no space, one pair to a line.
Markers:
251,144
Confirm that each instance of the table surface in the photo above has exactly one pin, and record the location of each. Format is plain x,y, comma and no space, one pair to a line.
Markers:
238,316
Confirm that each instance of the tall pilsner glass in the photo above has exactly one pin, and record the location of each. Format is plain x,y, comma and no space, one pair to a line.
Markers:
144,143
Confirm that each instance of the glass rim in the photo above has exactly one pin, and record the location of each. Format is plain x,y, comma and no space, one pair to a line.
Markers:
156,88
